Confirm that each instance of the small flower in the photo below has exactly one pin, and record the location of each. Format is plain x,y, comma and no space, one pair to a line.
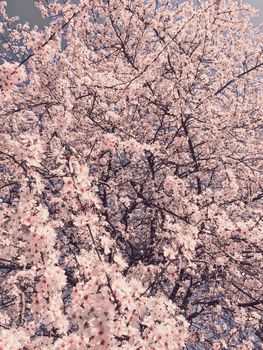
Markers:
120,262
106,244
168,252
80,221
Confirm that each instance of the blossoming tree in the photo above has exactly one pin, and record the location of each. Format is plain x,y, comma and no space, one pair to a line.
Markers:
131,177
